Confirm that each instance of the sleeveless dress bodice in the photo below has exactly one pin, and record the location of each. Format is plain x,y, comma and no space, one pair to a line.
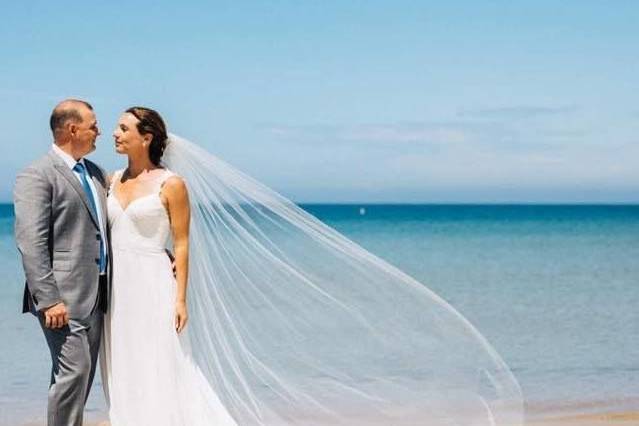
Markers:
143,225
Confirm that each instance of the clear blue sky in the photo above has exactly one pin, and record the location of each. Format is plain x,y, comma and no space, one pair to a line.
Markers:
468,101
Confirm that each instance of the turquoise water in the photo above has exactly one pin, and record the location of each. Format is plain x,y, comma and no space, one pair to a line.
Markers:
554,288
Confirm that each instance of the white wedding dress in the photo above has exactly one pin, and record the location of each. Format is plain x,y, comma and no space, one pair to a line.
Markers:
148,374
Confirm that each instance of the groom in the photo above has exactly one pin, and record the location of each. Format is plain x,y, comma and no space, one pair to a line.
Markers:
61,233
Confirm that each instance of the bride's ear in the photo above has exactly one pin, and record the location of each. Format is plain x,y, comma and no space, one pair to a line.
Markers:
146,139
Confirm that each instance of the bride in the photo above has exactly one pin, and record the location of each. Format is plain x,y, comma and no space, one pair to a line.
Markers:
287,322
147,374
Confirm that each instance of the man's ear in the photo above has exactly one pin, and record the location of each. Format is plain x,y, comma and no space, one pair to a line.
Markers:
72,128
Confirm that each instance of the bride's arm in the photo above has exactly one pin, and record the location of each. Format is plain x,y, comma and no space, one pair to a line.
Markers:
176,199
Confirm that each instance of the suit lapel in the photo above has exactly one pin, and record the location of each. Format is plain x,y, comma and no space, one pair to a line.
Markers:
63,169
98,182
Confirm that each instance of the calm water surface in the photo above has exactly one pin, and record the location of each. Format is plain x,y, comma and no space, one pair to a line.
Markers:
554,288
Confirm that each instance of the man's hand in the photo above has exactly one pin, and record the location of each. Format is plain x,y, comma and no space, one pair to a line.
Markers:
56,316
172,259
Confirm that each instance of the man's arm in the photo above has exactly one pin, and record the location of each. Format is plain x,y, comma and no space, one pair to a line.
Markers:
32,201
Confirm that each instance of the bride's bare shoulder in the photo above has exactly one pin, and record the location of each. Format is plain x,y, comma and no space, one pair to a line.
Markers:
174,183
174,188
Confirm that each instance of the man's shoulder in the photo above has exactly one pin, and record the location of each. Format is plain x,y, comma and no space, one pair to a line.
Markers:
90,164
39,165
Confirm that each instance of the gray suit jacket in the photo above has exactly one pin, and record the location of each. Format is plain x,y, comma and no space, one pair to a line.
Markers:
58,237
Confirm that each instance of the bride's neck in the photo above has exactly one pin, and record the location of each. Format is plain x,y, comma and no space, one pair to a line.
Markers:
138,166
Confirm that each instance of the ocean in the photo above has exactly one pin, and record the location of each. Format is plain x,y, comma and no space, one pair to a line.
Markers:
554,288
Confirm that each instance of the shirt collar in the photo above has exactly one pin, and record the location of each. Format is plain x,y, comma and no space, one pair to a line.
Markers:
70,161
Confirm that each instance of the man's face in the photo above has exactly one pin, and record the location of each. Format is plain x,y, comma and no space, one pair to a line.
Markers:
86,132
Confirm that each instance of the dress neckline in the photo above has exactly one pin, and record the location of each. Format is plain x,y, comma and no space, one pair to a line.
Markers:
118,175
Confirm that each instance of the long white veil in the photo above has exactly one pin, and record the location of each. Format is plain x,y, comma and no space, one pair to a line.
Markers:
294,324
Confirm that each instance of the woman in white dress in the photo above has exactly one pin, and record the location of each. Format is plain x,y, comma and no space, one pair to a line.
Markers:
148,374
289,322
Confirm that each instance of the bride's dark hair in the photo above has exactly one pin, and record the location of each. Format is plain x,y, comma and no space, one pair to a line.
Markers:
151,122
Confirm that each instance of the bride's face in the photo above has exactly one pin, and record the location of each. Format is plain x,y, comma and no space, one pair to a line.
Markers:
128,139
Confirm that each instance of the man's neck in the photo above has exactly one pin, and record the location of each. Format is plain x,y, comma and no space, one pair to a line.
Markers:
68,149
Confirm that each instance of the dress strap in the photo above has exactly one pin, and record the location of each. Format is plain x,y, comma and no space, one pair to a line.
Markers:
165,176
114,177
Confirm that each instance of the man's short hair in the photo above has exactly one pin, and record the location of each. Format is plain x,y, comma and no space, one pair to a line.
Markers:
67,111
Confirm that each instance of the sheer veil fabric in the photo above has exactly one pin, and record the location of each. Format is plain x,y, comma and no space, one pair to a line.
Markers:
294,324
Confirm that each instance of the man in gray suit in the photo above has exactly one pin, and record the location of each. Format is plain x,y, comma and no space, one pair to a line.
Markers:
61,233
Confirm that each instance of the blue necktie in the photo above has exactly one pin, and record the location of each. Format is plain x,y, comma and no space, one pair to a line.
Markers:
79,168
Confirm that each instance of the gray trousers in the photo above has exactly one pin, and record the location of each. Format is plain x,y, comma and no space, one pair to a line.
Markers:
74,355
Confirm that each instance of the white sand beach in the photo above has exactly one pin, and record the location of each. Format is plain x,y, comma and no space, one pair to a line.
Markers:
627,418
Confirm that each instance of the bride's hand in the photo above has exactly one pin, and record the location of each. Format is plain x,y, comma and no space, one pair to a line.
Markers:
181,316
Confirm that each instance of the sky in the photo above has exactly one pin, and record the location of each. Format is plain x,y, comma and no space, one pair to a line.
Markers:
348,101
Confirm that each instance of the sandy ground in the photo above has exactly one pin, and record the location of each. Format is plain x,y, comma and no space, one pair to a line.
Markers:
602,419
612,418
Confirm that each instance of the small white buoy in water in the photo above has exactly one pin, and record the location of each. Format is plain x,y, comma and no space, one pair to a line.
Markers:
362,211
